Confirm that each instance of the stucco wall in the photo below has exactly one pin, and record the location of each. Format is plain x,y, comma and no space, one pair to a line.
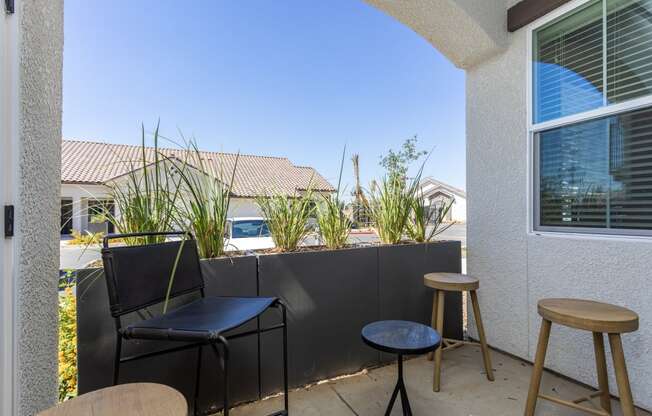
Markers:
465,31
36,247
518,268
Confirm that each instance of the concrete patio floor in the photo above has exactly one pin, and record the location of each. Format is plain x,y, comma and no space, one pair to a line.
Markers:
465,391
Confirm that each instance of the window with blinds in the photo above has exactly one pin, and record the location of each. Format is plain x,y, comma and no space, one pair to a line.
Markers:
594,174
598,55
568,66
629,45
597,173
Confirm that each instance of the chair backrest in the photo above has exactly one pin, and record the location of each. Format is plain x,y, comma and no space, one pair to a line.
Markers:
139,276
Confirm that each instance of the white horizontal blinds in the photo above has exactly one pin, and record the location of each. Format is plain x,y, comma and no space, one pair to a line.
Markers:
568,64
573,172
597,173
629,49
631,170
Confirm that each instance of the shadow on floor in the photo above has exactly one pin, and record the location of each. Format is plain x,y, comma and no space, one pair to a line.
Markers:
465,391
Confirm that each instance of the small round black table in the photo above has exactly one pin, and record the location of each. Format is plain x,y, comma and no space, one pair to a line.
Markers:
400,337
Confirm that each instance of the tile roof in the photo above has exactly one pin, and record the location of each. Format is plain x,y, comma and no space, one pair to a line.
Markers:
87,162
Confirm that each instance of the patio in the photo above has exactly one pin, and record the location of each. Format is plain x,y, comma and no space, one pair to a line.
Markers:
464,392
551,215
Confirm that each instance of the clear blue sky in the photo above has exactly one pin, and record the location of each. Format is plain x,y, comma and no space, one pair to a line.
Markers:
289,78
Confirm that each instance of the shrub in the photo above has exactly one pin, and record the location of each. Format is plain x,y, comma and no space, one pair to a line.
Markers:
287,218
67,345
85,239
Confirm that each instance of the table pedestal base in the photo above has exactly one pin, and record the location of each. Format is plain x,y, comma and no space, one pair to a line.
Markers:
400,388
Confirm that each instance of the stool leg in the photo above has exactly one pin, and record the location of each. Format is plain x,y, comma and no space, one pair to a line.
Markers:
601,365
483,340
624,390
433,320
440,329
537,371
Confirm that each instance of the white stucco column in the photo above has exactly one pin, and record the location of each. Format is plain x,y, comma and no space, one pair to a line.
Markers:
77,213
36,117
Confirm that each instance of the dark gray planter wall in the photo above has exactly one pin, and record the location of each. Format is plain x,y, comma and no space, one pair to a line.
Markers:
402,292
446,258
330,296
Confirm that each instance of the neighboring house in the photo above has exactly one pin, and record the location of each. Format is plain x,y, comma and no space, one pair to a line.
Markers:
437,194
89,169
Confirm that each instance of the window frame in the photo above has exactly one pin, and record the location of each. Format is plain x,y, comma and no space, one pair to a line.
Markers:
533,208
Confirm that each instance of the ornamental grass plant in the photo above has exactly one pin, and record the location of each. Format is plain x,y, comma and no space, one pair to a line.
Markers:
334,223
204,205
288,217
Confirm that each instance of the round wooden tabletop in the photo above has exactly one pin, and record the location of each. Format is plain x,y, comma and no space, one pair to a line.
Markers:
137,399
589,315
454,282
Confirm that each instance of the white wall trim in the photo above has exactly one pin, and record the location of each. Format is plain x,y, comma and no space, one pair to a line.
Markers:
9,105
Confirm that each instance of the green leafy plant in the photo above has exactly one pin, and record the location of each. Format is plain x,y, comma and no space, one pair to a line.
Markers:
67,344
145,197
204,207
287,218
425,222
396,163
98,219
334,223
85,239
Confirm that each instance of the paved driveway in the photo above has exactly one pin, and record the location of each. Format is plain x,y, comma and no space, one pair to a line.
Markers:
455,232
77,257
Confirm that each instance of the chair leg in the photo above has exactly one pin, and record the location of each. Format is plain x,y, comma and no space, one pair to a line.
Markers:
224,362
537,371
483,340
197,378
116,360
624,390
601,367
436,382
433,320
285,359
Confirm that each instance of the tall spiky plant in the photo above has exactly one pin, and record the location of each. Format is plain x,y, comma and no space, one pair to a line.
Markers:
334,224
425,222
389,206
287,218
204,205
145,198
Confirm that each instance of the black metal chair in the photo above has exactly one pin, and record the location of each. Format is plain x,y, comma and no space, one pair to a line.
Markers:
141,276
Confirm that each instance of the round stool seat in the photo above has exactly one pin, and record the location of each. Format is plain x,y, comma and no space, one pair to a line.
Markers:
400,337
589,315
453,282
136,399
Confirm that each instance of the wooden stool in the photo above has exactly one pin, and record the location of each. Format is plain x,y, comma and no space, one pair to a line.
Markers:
454,282
598,318
137,399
